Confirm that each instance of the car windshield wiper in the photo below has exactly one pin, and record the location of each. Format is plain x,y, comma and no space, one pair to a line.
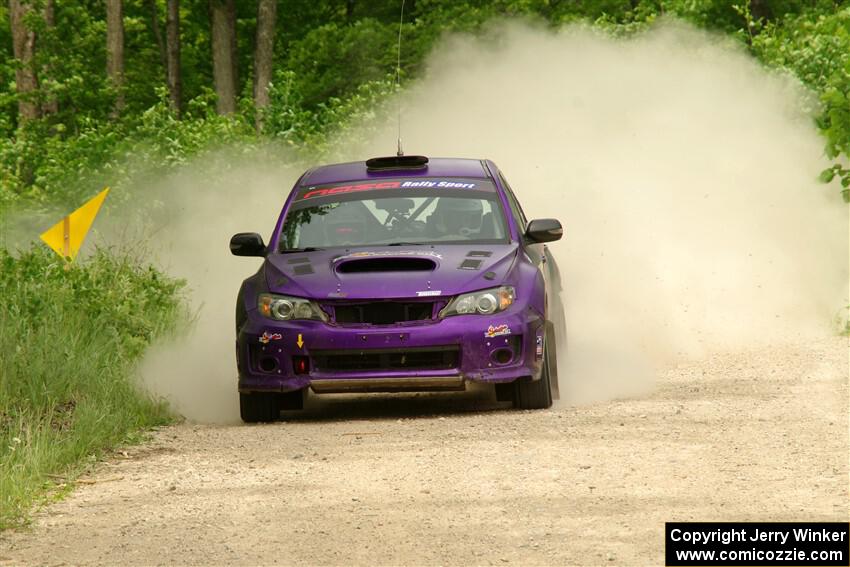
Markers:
296,250
402,244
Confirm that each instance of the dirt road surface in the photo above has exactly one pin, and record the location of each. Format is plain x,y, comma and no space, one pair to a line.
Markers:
448,480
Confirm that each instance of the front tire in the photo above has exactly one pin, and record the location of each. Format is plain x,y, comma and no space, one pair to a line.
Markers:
257,407
538,394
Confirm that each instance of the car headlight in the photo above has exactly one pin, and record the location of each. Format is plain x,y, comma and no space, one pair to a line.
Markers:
484,302
285,308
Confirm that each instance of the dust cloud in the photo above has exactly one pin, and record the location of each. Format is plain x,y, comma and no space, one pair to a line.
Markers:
684,175
202,206
683,172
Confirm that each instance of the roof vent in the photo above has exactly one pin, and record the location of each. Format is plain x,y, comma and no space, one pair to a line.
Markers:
396,162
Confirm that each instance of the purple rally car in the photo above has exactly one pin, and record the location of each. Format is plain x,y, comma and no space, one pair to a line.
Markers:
397,274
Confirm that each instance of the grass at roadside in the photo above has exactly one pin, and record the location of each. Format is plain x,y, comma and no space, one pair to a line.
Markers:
69,340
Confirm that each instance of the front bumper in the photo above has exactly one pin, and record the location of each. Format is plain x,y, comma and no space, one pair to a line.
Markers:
493,349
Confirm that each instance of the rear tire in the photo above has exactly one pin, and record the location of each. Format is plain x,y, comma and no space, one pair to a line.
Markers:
256,407
538,394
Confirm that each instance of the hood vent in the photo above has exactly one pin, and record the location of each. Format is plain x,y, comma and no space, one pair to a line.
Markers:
390,264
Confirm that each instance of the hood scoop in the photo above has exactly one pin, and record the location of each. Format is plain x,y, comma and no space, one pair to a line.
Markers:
386,264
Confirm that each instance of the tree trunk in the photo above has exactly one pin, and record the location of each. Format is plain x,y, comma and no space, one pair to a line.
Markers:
157,32
223,32
231,25
23,46
264,57
50,104
172,31
349,11
760,10
115,51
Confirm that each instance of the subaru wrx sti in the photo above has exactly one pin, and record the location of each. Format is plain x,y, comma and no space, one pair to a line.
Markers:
397,274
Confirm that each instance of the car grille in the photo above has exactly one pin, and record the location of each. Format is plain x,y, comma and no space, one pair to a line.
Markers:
426,358
383,312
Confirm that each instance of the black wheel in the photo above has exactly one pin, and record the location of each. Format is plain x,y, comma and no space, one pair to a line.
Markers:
538,394
259,406
506,392
291,400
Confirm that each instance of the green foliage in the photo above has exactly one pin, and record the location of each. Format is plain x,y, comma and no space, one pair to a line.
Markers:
43,167
333,67
289,120
70,339
815,46
366,50
71,60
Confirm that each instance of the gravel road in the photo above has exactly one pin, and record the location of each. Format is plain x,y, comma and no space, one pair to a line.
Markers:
463,480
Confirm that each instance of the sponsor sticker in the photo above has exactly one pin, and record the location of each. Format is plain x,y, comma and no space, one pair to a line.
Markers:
428,293
539,350
324,191
267,336
314,191
497,330
433,183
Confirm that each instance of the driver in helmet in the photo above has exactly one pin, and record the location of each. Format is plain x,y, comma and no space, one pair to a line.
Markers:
457,216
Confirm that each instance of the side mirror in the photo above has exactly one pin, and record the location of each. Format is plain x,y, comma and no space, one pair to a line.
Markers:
247,244
544,230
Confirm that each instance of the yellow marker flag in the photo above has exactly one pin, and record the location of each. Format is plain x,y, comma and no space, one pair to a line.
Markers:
67,236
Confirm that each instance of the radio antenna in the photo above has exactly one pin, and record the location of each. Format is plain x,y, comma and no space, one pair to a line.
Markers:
400,151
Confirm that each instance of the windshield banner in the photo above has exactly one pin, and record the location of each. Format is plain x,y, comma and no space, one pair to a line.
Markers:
314,191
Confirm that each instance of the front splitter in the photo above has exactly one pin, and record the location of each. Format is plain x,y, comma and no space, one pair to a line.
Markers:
400,384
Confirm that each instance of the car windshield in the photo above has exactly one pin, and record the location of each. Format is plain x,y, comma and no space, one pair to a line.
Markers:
394,212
